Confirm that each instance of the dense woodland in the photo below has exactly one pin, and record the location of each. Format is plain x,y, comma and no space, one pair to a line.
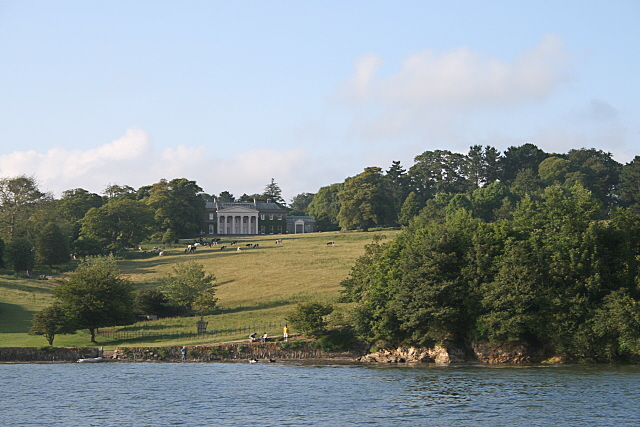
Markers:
523,246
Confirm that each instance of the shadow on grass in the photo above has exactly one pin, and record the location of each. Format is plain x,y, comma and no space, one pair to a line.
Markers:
266,304
14,319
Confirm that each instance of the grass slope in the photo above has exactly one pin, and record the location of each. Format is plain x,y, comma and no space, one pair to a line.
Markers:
256,287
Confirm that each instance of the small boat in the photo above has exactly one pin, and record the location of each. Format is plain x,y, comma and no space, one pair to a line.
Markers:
253,360
90,360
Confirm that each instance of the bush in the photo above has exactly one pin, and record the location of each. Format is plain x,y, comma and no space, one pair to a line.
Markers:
309,318
292,345
336,340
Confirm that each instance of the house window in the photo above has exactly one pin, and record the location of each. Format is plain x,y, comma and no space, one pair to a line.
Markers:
262,217
271,217
280,217
262,229
279,229
211,230
210,217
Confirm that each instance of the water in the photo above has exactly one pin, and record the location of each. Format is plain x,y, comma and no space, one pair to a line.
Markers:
302,394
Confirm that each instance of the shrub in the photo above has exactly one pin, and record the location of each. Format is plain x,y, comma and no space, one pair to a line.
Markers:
336,340
309,318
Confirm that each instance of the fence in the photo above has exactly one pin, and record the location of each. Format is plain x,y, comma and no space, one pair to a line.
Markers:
124,335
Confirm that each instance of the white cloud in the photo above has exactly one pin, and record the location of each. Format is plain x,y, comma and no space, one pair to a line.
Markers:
131,160
433,92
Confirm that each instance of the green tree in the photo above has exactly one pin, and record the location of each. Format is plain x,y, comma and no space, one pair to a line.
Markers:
410,208
18,198
2,247
629,187
52,246
74,204
86,246
96,295
482,166
300,203
366,201
52,321
116,191
118,224
325,206
226,197
272,191
515,159
19,256
152,302
189,286
309,318
439,171
177,205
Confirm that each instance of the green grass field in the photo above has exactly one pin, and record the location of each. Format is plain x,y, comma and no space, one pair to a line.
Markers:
256,287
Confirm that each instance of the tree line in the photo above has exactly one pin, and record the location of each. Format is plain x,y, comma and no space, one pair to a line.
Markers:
35,227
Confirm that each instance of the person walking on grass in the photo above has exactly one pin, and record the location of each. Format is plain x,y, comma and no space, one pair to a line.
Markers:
285,333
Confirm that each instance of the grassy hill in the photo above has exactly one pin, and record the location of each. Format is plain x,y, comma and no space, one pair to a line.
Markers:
256,288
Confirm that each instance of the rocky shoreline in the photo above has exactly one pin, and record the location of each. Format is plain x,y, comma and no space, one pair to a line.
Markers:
481,352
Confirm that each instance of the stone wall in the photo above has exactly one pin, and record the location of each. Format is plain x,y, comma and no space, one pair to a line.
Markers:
46,354
229,352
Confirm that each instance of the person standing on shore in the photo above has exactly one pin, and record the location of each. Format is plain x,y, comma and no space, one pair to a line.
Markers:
184,353
285,333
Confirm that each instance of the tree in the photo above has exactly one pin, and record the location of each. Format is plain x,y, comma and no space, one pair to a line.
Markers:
482,166
629,187
366,201
410,208
19,256
74,204
52,246
115,191
86,246
226,197
309,318
190,287
52,321
118,224
18,197
177,205
300,203
96,295
514,159
2,247
439,171
325,206
272,191
152,302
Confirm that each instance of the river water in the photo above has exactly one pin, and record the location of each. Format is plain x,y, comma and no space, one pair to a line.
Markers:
325,394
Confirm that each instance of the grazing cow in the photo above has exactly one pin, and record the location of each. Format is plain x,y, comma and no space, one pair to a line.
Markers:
331,244
213,244
239,250
161,253
255,246
279,241
222,248
249,245
190,249
233,243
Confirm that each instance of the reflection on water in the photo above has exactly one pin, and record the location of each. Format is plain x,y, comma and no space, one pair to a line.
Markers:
300,394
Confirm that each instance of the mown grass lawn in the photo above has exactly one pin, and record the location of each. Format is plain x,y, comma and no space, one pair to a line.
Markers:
256,287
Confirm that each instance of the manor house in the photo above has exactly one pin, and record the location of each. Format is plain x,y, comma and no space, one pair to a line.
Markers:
253,218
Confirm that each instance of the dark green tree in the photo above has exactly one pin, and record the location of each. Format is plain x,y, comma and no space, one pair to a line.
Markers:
366,201
325,206
515,159
52,246
629,187
309,318
482,166
116,191
52,321
152,302
118,224
300,203
439,171
272,191
19,255
96,295
74,204
226,197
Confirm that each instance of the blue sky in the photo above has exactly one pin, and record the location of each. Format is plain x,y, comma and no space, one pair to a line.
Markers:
232,94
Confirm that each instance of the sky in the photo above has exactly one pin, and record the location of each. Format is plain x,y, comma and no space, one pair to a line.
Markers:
231,94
